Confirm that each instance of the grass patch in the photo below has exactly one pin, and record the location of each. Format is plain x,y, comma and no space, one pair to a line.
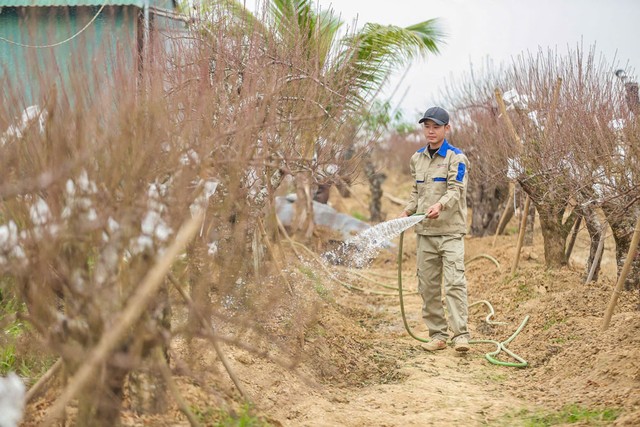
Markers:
16,353
360,216
511,230
568,415
524,292
317,283
553,321
499,378
213,417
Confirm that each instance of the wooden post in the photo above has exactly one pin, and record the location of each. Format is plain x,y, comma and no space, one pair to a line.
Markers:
596,257
574,236
523,225
623,275
518,142
503,111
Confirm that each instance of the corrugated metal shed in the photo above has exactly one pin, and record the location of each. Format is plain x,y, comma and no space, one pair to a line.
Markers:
165,4
43,42
47,3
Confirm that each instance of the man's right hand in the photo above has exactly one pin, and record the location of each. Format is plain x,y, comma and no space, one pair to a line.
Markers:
404,214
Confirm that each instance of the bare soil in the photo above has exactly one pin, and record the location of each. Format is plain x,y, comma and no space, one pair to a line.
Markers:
357,366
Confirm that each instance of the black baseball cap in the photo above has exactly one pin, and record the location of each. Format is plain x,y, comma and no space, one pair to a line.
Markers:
436,114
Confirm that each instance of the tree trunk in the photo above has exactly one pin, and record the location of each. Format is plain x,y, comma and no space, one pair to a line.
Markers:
375,178
303,221
321,195
199,289
622,225
555,235
595,229
100,406
488,201
531,220
148,389
551,207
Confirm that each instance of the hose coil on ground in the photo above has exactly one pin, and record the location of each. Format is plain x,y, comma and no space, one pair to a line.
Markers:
500,346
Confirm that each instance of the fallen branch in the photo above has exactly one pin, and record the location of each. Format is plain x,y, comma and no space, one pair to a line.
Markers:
36,388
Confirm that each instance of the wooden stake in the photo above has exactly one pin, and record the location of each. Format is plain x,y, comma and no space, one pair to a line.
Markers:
623,275
129,316
596,257
574,236
523,225
503,111
518,142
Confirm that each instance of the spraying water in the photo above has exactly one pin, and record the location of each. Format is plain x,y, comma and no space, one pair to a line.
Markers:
359,250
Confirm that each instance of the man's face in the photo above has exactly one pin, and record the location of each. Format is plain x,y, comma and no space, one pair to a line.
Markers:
434,132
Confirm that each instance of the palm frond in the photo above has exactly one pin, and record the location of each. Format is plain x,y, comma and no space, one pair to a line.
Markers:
327,30
377,50
238,18
293,16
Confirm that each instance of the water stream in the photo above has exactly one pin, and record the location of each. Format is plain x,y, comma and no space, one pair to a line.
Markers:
361,249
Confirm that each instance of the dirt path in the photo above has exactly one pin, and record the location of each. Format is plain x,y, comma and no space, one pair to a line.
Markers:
572,363
440,389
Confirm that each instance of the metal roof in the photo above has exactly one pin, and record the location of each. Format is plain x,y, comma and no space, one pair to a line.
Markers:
48,3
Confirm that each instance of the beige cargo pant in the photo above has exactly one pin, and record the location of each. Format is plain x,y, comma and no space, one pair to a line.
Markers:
441,262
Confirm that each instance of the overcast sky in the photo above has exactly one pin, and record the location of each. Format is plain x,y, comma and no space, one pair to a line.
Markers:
499,30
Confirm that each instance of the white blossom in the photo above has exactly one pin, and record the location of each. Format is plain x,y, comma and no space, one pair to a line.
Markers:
12,393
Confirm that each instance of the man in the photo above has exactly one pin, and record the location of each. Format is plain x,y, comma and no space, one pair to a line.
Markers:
439,191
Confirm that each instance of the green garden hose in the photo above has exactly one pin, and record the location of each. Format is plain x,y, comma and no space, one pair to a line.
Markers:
491,356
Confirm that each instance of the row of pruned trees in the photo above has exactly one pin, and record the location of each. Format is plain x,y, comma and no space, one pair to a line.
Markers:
103,186
565,128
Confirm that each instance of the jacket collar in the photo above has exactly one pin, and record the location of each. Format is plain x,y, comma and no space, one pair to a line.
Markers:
444,148
441,151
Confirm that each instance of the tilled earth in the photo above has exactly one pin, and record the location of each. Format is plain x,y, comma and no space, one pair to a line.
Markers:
355,365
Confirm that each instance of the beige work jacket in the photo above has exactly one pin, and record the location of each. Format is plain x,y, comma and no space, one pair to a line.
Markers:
443,179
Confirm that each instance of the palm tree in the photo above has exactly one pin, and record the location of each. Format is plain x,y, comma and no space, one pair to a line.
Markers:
348,70
372,53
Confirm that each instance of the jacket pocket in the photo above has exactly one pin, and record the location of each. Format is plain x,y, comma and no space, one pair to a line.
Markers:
421,184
